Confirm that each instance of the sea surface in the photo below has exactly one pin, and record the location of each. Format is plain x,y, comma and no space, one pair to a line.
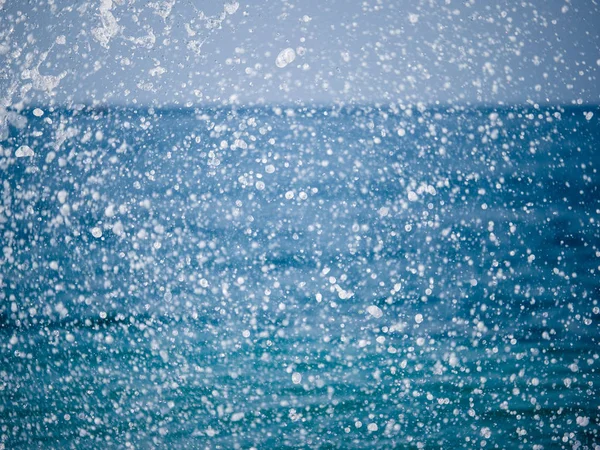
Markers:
356,277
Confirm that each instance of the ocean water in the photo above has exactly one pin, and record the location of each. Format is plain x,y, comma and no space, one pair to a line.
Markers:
301,278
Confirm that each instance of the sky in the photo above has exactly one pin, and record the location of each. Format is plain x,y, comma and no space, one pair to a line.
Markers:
184,52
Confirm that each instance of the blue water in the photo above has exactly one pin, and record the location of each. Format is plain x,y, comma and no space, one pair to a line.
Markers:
301,278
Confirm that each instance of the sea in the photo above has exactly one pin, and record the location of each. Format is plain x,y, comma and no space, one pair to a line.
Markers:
277,277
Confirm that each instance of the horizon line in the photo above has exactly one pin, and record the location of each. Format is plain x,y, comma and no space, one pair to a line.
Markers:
301,105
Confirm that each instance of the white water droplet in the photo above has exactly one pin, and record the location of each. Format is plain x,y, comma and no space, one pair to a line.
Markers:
24,151
285,57
62,196
235,417
231,8
375,311
583,421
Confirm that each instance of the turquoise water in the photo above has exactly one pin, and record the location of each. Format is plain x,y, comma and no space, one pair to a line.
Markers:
301,278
